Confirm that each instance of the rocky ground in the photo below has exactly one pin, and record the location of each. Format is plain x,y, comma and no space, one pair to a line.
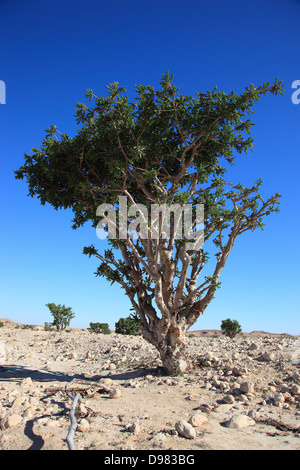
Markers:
238,394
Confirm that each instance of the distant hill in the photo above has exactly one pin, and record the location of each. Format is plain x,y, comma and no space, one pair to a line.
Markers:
7,322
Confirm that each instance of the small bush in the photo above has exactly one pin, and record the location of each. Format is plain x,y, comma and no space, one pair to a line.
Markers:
48,326
230,327
100,328
128,326
62,316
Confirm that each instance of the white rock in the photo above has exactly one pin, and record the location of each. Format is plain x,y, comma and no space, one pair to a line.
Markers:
105,381
73,355
26,382
115,393
11,421
223,408
83,426
198,419
185,429
239,421
17,402
158,439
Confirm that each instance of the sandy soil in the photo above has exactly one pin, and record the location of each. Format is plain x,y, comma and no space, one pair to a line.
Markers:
245,392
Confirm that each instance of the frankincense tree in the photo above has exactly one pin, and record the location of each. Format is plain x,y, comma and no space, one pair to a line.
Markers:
162,147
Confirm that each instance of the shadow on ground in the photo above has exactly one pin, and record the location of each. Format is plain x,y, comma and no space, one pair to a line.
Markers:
18,373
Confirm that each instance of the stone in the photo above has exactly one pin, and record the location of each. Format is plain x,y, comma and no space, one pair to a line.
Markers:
295,390
17,402
223,408
28,413
83,426
185,429
105,381
73,355
279,397
11,421
158,439
267,357
26,382
115,393
247,387
198,419
135,428
239,421
228,399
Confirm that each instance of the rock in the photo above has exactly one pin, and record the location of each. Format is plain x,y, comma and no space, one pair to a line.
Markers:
198,419
247,387
267,357
135,428
28,413
239,421
223,408
115,393
26,382
296,376
73,355
228,399
295,390
17,402
158,439
279,397
11,421
83,426
253,347
105,381
237,371
185,429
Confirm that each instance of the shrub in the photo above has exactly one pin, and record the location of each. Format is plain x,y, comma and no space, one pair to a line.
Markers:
230,327
100,328
128,326
62,316
48,326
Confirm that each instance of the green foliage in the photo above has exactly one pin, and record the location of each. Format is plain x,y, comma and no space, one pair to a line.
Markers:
143,140
62,316
1,324
100,328
230,328
48,326
128,326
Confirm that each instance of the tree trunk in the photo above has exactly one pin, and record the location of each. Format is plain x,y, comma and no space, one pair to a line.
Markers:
172,350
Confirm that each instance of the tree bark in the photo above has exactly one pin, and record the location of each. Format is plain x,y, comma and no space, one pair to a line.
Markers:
172,349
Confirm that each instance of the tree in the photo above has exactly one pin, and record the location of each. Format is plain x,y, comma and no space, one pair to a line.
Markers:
100,328
128,326
230,327
162,147
62,315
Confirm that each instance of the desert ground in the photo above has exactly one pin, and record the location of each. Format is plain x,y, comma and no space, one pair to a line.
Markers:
238,394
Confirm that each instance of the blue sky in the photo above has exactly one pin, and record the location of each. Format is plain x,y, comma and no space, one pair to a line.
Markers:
52,52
